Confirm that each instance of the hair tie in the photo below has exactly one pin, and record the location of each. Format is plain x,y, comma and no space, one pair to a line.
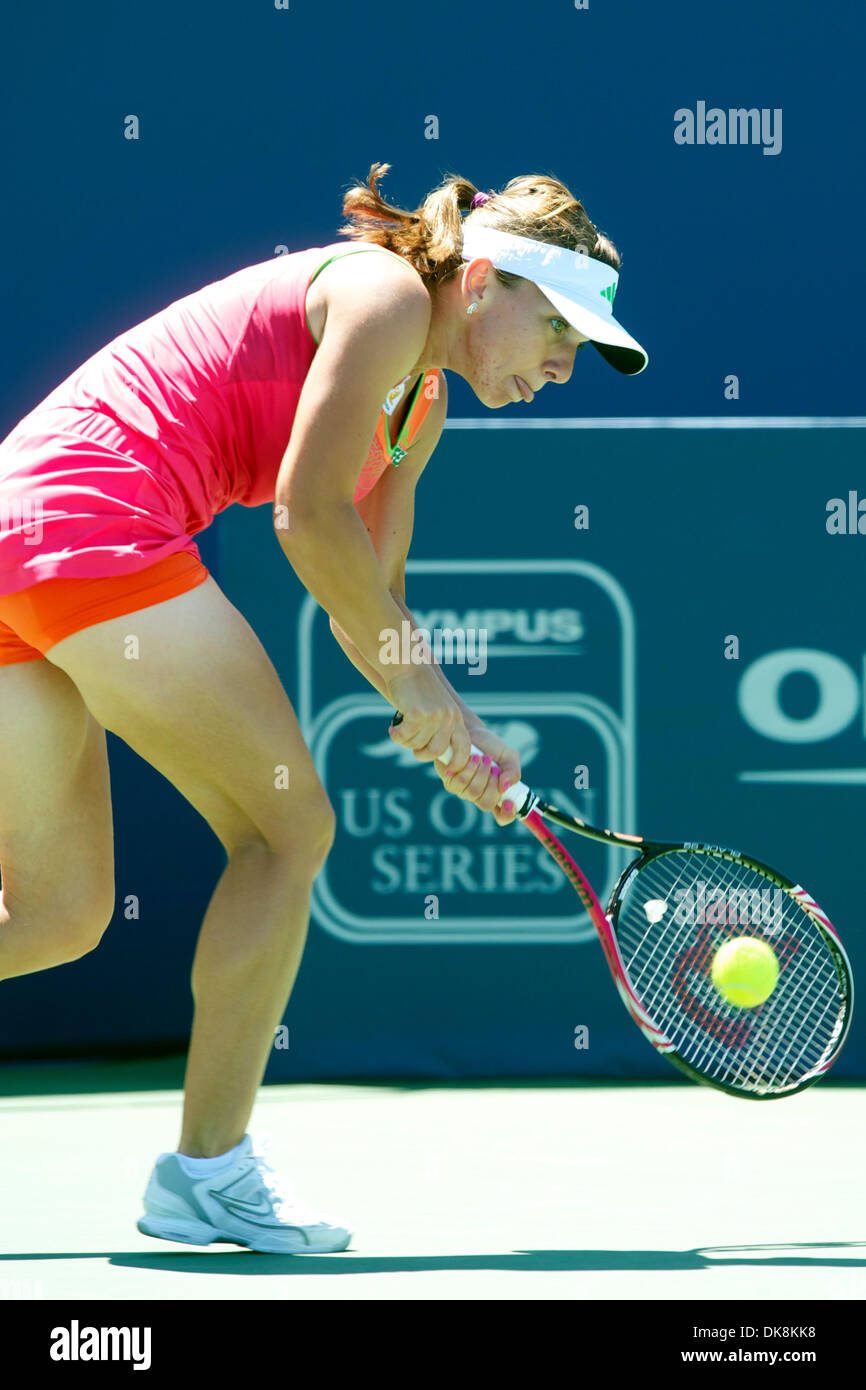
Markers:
479,200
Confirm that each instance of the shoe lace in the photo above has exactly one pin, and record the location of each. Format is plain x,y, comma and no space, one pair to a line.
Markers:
284,1198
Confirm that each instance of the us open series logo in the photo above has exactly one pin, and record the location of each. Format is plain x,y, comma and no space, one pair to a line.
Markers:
414,863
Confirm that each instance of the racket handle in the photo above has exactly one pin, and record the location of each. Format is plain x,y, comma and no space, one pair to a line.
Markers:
523,797
519,793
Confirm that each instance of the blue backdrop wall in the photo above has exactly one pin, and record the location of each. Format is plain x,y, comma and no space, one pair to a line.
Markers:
741,279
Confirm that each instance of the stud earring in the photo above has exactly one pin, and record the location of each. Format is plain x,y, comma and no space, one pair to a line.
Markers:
472,308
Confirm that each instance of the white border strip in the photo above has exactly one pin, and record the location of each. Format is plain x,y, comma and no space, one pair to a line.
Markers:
837,776
669,422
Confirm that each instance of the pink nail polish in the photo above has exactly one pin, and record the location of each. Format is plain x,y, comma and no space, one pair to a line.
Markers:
508,807
495,770
476,757
486,760
505,786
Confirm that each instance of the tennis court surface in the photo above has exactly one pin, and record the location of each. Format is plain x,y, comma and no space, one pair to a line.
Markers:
462,1191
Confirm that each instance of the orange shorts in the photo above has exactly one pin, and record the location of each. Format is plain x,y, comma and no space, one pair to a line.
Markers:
34,619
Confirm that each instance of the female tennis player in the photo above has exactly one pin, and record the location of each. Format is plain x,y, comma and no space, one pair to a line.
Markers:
314,383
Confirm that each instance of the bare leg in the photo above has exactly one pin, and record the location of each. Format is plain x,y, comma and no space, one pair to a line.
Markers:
203,705
248,955
56,833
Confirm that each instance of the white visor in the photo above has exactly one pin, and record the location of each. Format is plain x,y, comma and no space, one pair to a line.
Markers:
581,288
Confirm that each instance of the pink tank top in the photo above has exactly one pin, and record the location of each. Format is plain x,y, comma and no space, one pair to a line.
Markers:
202,397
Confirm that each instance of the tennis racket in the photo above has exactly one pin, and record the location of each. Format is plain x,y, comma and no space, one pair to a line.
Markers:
671,910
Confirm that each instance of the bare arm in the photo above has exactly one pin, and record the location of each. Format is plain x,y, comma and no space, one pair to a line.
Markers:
369,341
470,719
374,677
388,514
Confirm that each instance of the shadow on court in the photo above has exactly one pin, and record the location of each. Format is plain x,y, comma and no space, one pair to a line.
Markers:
525,1261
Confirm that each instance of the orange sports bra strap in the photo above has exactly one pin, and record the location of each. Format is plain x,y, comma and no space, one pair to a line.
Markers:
428,392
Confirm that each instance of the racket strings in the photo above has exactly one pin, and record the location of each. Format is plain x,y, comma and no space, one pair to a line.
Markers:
802,1013
675,913
787,1037
797,1024
657,955
792,1037
672,947
812,1023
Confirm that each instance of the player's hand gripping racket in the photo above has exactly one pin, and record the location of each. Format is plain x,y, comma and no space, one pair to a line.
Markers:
671,910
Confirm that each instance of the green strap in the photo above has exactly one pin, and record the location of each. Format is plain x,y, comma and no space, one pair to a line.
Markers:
349,251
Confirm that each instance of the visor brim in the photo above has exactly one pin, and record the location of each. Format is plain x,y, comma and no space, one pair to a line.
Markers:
607,336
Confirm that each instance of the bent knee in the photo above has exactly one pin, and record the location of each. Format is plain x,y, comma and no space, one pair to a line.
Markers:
302,835
308,834
69,930
84,925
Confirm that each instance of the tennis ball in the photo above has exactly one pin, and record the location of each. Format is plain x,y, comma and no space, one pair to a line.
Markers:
745,971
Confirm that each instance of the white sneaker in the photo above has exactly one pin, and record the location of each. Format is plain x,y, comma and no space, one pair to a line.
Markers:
245,1204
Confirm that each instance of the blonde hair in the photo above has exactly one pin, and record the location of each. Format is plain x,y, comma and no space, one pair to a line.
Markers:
430,238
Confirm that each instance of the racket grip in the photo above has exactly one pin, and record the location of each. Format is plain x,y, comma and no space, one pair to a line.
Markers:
523,797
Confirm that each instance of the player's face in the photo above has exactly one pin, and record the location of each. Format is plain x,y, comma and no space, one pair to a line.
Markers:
515,333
